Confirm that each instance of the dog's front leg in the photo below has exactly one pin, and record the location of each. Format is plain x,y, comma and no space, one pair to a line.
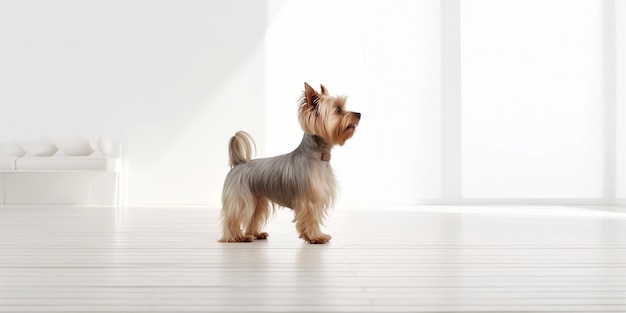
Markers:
308,219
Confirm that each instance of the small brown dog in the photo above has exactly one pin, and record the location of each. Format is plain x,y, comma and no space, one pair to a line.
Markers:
301,180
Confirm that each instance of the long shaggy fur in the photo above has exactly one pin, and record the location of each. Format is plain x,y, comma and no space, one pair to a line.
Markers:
301,180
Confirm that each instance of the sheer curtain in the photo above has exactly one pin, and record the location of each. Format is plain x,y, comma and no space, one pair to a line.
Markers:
470,101
620,44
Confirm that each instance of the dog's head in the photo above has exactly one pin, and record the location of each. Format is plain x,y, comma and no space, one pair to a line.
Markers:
325,116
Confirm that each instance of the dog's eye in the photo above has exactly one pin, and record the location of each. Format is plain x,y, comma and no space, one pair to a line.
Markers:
338,110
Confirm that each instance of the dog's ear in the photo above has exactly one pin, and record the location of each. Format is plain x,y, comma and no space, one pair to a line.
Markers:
324,91
311,96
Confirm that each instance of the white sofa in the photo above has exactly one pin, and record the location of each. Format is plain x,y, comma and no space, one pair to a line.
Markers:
80,172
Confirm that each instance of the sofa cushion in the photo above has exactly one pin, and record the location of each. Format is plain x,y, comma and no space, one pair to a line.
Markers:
67,163
39,148
7,163
11,149
74,146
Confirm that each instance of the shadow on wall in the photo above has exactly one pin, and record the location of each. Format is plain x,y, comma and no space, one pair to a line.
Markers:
171,79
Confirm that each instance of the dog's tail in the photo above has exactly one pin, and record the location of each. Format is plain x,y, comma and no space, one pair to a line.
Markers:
241,148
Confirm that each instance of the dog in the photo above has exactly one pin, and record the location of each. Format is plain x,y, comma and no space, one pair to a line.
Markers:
302,180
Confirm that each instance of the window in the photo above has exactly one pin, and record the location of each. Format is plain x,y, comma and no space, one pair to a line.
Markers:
462,101
532,99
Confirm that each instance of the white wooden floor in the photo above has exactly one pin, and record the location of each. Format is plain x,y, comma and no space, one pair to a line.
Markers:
431,259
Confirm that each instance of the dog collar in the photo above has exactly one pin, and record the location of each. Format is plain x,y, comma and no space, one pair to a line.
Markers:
325,156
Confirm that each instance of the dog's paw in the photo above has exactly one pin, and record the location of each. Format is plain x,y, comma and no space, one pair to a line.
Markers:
247,238
321,239
240,238
262,235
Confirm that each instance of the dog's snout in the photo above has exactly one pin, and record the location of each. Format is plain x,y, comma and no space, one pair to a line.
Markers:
358,115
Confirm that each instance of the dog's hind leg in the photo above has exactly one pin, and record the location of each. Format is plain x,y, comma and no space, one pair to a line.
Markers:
261,215
237,211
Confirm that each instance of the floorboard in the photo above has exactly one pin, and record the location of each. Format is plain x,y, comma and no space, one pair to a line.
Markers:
381,259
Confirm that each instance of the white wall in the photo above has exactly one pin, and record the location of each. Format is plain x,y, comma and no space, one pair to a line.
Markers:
384,55
174,80
171,79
